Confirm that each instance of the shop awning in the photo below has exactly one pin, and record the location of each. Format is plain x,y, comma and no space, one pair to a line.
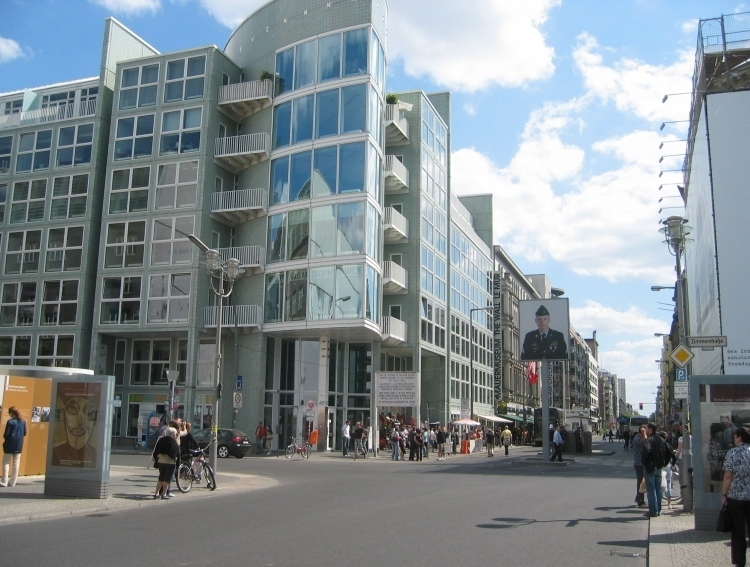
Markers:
493,418
519,418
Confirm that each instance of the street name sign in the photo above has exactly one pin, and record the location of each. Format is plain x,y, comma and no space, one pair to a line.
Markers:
708,342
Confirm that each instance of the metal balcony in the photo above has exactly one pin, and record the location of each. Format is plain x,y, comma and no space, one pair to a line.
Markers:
396,125
47,115
396,176
235,153
395,278
240,100
393,331
252,258
395,227
235,207
246,317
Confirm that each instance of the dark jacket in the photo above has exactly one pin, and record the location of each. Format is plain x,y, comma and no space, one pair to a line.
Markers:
553,346
655,453
167,446
15,431
187,444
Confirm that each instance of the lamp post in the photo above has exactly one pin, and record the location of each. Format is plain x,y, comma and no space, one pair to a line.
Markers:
221,270
676,231
471,355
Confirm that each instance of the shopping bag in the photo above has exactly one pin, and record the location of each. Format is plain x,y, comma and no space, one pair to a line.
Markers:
642,486
724,521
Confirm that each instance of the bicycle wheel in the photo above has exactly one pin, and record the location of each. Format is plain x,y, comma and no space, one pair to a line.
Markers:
289,452
307,451
208,473
185,477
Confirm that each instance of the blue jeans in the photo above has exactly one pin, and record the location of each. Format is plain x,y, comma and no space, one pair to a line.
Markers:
394,450
653,490
345,445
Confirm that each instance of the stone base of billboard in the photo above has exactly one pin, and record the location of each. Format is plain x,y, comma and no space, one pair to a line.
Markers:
75,488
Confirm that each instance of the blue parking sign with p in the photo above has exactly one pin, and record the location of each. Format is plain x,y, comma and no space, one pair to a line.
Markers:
681,375
239,383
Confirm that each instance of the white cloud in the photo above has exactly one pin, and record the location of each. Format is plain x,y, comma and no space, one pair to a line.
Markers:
231,13
470,108
9,50
130,7
594,316
690,27
543,208
468,46
634,86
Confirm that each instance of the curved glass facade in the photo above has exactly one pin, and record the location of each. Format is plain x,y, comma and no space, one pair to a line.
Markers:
324,171
330,57
338,184
336,291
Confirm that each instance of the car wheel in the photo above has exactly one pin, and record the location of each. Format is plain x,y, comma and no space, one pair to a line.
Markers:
223,451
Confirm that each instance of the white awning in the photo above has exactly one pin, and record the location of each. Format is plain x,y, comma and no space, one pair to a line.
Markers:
493,418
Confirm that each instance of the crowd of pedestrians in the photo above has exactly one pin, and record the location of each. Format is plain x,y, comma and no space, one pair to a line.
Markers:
416,442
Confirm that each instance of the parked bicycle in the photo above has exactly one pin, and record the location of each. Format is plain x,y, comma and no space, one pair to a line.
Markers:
195,470
304,450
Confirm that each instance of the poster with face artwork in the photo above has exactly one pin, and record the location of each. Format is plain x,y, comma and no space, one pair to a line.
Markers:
77,426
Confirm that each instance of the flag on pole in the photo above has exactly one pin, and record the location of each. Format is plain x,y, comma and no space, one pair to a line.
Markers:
531,374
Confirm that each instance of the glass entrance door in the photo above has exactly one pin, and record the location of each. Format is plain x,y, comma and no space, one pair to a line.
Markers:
331,433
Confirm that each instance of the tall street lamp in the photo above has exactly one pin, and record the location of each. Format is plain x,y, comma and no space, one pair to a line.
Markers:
471,355
676,231
221,270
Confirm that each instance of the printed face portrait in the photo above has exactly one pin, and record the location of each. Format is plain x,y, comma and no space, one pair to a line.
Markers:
542,322
80,415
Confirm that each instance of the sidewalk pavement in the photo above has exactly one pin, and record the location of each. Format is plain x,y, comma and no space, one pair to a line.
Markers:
673,542
129,487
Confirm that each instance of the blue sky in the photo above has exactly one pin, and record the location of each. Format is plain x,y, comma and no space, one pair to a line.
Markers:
556,111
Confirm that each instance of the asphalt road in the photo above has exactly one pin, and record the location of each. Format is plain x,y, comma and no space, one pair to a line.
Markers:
331,511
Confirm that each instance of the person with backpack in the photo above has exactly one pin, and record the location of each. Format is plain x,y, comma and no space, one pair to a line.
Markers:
655,456
15,431
489,438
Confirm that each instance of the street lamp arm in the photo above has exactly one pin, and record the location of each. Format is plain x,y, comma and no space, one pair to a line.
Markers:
198,242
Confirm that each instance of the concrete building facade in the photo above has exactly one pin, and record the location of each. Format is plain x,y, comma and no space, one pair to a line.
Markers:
283,151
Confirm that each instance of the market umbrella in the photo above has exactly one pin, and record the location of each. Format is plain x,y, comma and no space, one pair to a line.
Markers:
466,422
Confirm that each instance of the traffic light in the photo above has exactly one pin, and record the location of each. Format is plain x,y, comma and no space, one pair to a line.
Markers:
640,406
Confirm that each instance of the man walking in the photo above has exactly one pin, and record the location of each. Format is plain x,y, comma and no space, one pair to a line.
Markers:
358,434
506,437
655,457
345,438
557,442
489,438
441,438
260,436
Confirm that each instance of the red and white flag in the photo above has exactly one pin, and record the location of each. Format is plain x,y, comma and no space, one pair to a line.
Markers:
531,374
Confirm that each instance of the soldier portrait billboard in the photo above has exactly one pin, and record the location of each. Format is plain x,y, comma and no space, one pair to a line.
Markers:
544,329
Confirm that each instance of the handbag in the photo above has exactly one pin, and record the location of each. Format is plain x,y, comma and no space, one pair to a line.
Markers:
642,486
724,521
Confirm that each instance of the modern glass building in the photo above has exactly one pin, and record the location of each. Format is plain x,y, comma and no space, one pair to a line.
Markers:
283,151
